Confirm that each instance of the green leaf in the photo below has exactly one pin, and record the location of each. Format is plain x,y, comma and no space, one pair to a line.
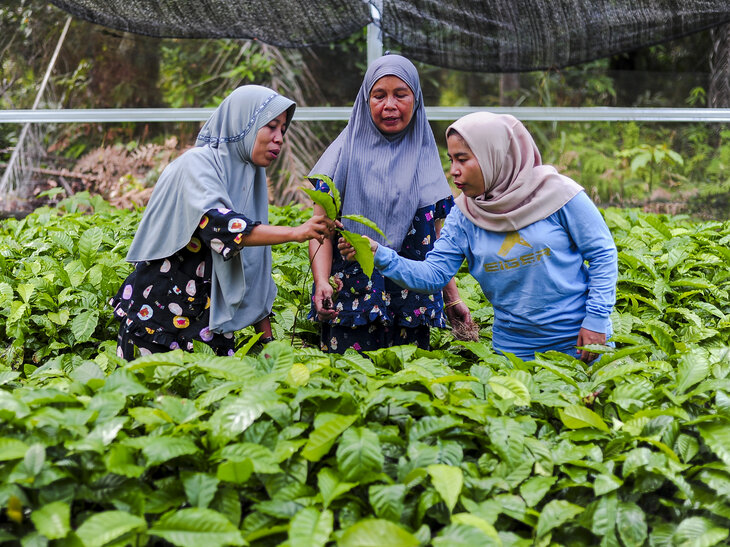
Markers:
331,486
6,294
717,436
576,417
17,408
387,500
363,253
510,388
34,458
25,290
324,436
687,447
366,221
89,243
376,533
693,368
310,528
631,524
535,488
102,528
53,520
237,472
359,363
699,532
555,514
469,519
448,481
84,324
158,450
194,527
169,358
465,535
200,488
603,484
663,337
359,453
12,449
233,418
324,200
430,425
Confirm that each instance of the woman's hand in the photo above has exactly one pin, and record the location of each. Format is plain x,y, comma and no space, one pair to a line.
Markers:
462,325
318,227
457,312
348,251
322,298
587,337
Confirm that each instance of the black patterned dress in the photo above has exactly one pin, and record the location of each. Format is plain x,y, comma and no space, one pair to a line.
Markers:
374,312
165,304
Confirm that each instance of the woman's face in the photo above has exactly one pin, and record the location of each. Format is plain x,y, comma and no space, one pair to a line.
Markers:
269,139
391,104
465,168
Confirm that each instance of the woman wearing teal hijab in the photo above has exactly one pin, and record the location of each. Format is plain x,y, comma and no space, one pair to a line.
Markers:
203,261
386,167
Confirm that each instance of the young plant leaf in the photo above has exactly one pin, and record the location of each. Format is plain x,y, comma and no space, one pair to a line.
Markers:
89,244
554,514
325,435
448,481
576,417
53,520
194,527
510,388
377,533
363,254
366,221
331,486
102,528
359,453
324,200
387,500
310,528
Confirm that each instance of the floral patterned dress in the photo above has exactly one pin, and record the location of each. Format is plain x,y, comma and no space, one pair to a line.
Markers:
165,304
375,312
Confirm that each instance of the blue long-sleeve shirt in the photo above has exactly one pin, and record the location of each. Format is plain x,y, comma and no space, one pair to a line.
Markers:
537,279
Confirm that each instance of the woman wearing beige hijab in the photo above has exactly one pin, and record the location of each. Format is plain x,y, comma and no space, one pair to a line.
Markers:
532,238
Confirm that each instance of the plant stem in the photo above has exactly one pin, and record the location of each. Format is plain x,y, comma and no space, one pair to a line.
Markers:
304,288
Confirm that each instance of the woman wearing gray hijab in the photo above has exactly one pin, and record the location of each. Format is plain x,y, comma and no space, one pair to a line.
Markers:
203,261
386,167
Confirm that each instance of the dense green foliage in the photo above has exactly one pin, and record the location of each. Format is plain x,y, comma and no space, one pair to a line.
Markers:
287,445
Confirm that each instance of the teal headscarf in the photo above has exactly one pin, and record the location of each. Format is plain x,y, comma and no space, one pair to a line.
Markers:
385,178
218,173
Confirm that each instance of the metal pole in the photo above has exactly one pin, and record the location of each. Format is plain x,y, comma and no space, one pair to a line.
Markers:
375,40
24,132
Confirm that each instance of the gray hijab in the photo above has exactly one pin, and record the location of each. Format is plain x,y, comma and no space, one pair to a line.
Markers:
218,173
385,177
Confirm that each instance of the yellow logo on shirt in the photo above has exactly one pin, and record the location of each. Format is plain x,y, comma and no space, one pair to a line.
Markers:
510,240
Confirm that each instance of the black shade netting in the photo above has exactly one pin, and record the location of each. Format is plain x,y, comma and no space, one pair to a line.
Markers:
287,23
474,35
524,35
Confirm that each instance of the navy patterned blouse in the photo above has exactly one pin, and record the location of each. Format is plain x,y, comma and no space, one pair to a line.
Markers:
167,302
364,300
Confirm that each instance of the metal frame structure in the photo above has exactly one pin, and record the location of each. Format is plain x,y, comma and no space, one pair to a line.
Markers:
342,113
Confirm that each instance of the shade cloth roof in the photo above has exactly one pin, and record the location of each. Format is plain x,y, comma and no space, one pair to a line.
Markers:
474,35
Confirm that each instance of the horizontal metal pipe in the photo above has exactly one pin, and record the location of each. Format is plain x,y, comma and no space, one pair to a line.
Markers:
342,113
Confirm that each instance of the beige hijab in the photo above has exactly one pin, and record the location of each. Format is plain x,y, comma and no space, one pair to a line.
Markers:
519,190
